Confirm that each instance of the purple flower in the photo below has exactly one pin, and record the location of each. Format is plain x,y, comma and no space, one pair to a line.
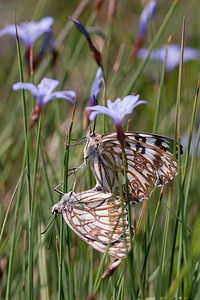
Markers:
94,93
116,110
173,56
96,54
44,93
29,32
96,87
146,15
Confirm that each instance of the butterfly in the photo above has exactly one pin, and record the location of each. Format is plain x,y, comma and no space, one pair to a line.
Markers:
96,217
149,158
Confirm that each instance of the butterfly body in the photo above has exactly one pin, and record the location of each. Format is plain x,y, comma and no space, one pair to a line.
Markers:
97,218
149,159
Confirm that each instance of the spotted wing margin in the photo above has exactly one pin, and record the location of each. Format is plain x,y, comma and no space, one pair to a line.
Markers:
96,218
149,158
157,149
150,139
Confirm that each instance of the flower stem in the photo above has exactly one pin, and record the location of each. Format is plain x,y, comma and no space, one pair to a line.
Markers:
30,240
160,93
26,161
16,215
180,193
190,134
65,189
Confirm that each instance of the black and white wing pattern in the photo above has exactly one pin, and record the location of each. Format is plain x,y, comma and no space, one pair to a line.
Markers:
150,162
96,217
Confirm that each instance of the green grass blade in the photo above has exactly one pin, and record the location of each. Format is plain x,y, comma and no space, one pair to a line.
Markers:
190,135
65,189
160,93
14,233
178,135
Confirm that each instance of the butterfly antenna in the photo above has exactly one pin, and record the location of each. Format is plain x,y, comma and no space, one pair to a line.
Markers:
74,184
48,226
80,139
83,141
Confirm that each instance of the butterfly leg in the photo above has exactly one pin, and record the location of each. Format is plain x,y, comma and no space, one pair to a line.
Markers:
79,139
67,145
56,189
75,169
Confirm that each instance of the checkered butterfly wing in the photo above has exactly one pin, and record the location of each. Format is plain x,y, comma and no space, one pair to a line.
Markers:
96,217
150,162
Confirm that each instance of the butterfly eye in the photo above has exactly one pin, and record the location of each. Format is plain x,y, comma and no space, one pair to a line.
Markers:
98,188
54,211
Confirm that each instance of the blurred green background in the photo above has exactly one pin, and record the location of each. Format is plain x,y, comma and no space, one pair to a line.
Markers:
75,69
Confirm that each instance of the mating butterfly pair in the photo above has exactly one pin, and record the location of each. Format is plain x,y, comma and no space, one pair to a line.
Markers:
97,215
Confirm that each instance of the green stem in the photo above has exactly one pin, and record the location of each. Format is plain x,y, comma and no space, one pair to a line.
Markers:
181,198
130,254
162,255
30,239
127,194
190,135
150,238
49,189
177,135
37,155
121,290
8,209
160,95
16,215
98,279
65,189
26,135
91,274
191,173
